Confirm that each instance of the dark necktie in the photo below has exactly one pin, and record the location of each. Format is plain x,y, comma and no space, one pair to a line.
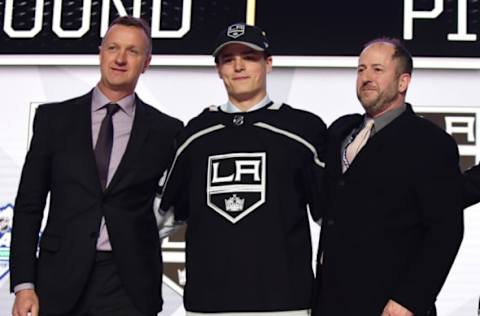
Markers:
103,148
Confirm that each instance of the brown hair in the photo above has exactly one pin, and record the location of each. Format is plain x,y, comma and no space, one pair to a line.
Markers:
128,20
405,61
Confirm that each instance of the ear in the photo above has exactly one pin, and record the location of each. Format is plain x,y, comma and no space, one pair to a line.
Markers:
403,82
147,63
269,62
99,52
217,67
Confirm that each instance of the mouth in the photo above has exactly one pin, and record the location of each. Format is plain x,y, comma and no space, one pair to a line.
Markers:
240,78
368,86
116,69
368,90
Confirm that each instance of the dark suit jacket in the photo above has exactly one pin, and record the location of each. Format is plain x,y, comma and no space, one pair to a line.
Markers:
61,162
472,185
393,221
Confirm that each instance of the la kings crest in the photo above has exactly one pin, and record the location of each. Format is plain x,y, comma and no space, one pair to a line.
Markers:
236,184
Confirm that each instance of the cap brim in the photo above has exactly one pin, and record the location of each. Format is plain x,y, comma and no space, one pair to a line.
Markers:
253,46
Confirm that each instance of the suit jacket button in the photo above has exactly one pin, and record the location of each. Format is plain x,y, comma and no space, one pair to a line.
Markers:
94,235
330,222
341,183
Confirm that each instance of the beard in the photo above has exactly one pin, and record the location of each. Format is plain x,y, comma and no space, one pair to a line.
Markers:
382,100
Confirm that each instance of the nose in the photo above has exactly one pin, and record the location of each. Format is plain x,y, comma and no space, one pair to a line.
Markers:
364,77
120,57
239,64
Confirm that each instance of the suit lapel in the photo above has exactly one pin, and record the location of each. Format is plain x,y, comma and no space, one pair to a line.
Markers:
83,118
138,135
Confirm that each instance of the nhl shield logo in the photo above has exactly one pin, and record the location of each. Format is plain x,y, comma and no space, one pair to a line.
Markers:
236,30
236,184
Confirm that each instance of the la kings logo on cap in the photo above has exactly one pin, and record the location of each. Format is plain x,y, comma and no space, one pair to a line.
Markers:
236,30
236,184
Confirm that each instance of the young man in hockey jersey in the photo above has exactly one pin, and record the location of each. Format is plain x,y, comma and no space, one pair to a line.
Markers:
243,176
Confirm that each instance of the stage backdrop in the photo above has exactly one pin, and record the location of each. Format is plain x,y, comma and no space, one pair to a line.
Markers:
450,98
48,53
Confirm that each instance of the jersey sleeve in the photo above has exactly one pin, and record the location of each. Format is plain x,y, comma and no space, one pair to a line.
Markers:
314,173
174,194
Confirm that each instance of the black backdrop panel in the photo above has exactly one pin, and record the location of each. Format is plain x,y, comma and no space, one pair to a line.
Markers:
295,28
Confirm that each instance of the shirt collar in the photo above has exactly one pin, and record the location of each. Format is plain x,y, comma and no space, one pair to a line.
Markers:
387,117
127,104
229,107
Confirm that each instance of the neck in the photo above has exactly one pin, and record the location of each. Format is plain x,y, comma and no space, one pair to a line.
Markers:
246,104
389,107
114,95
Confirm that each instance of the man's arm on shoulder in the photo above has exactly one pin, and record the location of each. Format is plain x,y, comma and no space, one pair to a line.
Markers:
166,223
315,173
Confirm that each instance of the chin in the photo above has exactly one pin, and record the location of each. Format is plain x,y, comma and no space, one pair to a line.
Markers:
369,107
367,104
242,94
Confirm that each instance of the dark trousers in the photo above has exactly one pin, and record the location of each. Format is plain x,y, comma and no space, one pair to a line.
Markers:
104,294
316,310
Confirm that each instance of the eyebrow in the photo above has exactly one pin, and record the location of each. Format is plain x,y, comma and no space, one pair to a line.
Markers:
225,55
373,65
246,51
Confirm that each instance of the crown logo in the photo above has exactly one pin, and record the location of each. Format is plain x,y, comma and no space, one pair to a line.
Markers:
234,204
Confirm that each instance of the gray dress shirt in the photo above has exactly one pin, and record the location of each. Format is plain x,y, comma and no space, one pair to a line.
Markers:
122,126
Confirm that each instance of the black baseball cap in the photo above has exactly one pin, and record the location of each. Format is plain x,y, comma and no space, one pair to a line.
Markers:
241,33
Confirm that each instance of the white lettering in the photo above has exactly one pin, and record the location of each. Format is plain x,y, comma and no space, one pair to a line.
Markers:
105,22
467,126
462,34
247,167
104,19
409,14
216,178
157,16
57,20
8,21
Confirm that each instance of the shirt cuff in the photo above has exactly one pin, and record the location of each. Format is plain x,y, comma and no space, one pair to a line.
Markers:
23,286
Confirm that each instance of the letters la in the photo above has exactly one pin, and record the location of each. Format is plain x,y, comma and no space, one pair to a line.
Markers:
236,184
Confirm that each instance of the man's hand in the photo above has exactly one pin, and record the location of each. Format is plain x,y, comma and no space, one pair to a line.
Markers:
26,301
394,309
